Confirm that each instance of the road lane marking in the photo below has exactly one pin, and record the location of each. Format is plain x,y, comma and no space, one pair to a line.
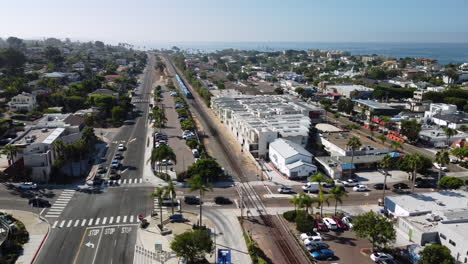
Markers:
111,220
90,222
97,221
62,223
117,220
55,224
131,219
54,210
63,200
70,223
77,222
130,181
79,248
119,181
52,216
104,220
124,181
83,223
97,247
124,220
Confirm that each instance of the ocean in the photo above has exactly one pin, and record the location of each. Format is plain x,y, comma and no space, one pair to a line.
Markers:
444,53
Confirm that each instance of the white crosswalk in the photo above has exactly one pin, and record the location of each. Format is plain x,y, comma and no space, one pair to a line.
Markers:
125,181
100,221
62,201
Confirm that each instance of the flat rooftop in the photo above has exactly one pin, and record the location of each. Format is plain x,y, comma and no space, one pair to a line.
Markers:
340,139
324,127
39,135
374,104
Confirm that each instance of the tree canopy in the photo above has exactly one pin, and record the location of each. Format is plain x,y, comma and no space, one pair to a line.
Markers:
207,169
410,129
436,254
192,245
375,227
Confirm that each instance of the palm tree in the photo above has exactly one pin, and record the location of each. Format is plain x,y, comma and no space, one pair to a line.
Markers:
353,144
159,193
450,132
338,193
296,200
197,184
415,162
386,163
171,192
382,138
442,158
10,151
307,201
322,198
395,145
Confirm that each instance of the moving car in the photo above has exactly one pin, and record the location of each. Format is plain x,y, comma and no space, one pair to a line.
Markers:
323,254
349,182
321,226
222,200
311,187
439,167
114,177
190,199
39,202
380,186
348,220
400,186
360,188
331,224
121,147
377,256
27,186
285,189
310,235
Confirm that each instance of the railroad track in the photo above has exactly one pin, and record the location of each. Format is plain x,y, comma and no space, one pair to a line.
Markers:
281,238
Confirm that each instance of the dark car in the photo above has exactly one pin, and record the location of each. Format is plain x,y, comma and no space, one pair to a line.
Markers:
38,202
222,200
114,177
191,200
380,186
400,186
424,184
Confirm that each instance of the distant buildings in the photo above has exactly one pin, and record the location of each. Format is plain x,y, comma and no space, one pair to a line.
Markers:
374,108
256,121
23,102
346,90
291,159
446,115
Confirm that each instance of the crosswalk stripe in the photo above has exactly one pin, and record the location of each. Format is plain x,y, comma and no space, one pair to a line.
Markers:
130,181
51,216
90,222
61,202
119,181
97,221
141,180
131,219
77,222
117,220
55,210
66,195
57,206
124,181
124,219
83,223
104,220
55,224
63,199
70,223
63,223
111,220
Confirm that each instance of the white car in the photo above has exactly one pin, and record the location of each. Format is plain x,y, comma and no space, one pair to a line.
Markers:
310,235
348,220
330,223
379,256
350,183
27,186
437,166
285,189
121,147
312,240
360,188
164,163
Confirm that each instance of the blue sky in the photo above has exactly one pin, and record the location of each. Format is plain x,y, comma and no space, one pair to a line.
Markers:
151,21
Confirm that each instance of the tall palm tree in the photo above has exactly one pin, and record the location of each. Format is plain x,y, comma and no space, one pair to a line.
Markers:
197,184
170,191
307,201
442,158
395,145
337,194
386,163
322,198
10,151
159,193
382,138
296,200
450,132
415,163
353,144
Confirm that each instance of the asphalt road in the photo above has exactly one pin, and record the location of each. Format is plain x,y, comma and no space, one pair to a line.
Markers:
101,227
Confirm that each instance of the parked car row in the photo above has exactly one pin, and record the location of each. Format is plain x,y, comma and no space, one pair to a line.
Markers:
187,135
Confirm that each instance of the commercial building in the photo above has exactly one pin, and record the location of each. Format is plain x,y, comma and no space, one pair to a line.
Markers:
256,121
435,218
291,159
346,90
436,137
23,102
446,115
35,145
376,108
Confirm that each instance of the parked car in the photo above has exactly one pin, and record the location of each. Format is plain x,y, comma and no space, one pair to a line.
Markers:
348,220
349,182
439,167
39,202
195,153
121,147
311,187
321,225
400,186
317,246
178,105
340,224
377,256
114,177
310,235
118,156
101,169
329,184
360,188
222,200
190,199
164,163
331,224
380,186
27,186
424,183
323,254
115,164
285,189
312,240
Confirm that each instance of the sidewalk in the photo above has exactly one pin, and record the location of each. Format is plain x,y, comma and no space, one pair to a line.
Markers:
38,231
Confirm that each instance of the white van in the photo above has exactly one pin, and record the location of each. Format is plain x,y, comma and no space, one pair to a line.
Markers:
311,187
330,223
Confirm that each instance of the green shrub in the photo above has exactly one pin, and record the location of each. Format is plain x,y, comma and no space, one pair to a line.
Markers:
304,222
187,125
192,143
448,182
290,216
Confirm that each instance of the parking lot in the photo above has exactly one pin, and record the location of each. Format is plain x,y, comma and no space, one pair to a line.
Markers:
374,177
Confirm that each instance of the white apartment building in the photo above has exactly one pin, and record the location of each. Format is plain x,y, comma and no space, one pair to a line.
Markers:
446,115
291,159
346,90
23,102
256,121
440,109
35,145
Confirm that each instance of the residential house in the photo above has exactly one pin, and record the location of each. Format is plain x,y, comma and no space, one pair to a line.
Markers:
23,102
291,159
